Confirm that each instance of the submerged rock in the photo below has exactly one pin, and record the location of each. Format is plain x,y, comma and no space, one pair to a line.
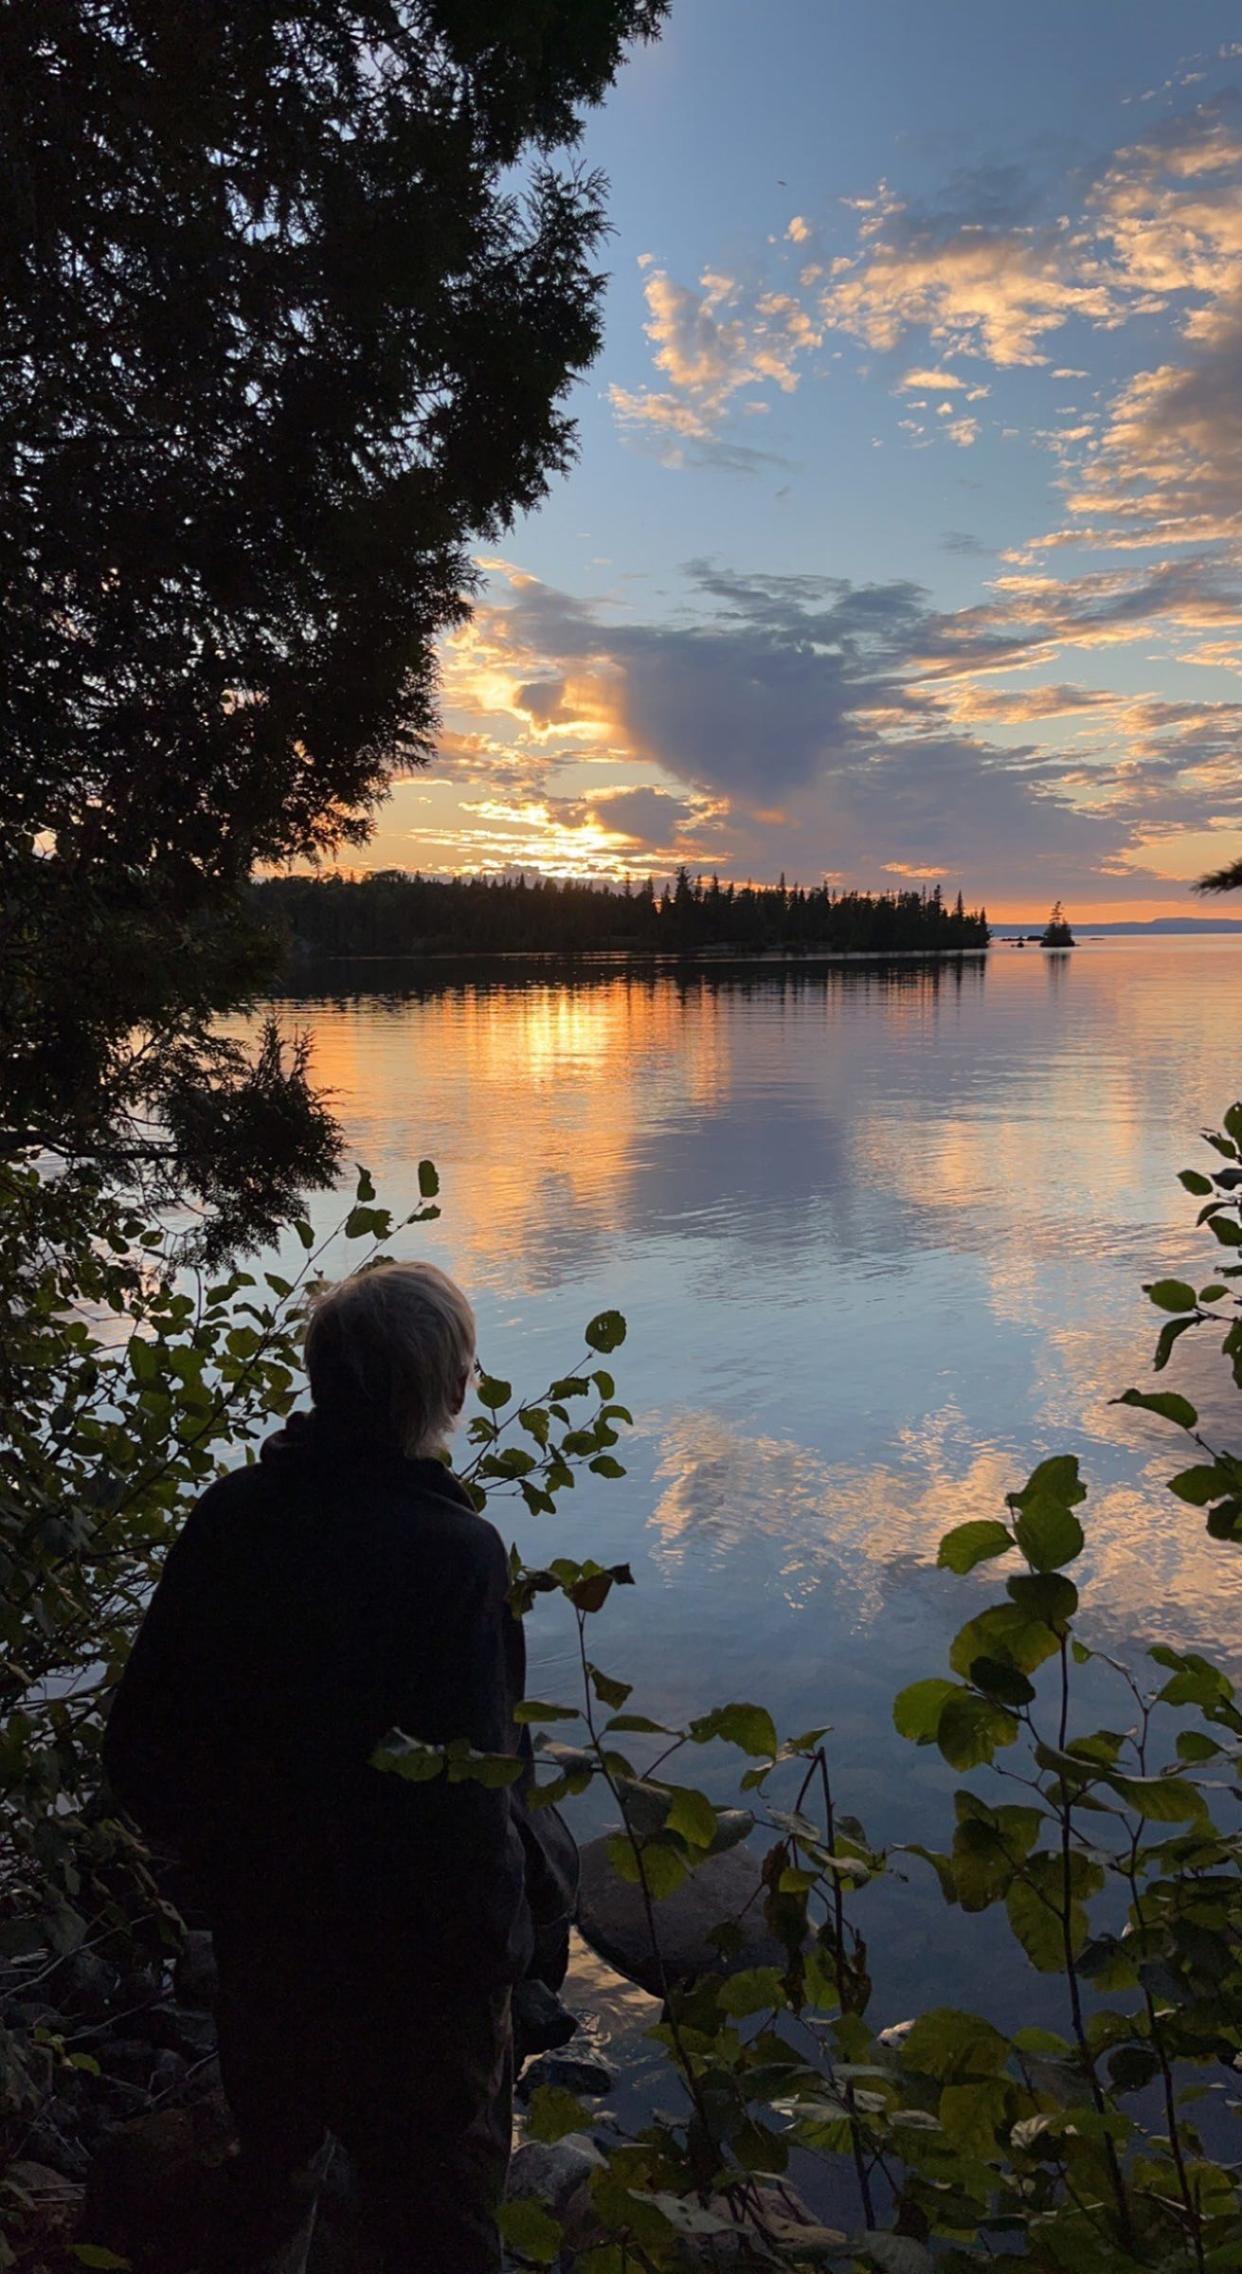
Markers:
570,2072
612,1919
551,2173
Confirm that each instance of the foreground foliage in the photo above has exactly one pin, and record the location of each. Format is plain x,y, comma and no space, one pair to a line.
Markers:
1112,1850
1108,2143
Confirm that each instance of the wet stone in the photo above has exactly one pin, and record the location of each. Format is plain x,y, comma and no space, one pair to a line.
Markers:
588,2078
612,1920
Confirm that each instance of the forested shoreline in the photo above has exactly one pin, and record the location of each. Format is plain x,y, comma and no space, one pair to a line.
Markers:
391,913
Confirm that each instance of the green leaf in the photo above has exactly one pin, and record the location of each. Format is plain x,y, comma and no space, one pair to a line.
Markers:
605,1466
530,2230
1192,1745
364,1189
492,1392
1042,2044
305,1234
94,2254
1056,1479
1002,1681
749,1727
534,1709
428,1180
1035,1916
917,1709
1171,1294
406,1757
1048,1533
952,2045
759,1989
970,2114
1200,1485
1007,1631
968,1544
663,1863
971,1729
1165,1800
1165,1340
362,1223
1169,1404
691,1813
1046,1597
552,2112
607,1332
609,1691
1194,1180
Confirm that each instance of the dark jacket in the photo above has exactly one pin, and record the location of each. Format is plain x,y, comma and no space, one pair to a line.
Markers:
313,1602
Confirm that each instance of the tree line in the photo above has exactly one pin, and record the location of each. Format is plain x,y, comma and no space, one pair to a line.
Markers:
391,912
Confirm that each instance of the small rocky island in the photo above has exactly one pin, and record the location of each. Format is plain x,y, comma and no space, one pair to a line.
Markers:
1056,932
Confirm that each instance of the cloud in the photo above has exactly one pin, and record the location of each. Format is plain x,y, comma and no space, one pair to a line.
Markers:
994,287
853,722
931,382
712,344
643,817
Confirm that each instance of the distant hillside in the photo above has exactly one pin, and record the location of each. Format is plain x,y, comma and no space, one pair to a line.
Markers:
1165,925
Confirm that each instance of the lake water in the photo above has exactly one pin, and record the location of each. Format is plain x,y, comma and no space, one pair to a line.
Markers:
879,1233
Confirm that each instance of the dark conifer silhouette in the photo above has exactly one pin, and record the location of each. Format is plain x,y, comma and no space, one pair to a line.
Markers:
394,913
278,344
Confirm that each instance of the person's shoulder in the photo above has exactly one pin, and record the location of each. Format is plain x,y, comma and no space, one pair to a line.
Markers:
446,1509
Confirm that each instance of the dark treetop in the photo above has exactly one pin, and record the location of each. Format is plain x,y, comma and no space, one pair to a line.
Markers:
279,340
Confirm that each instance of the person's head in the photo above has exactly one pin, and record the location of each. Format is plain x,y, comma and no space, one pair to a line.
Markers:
389,1353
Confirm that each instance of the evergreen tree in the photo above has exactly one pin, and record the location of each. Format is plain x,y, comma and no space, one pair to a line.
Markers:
277,345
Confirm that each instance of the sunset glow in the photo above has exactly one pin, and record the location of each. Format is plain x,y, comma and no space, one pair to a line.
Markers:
904,537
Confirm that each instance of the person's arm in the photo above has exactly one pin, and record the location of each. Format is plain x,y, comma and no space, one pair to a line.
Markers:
463,1836
155,1751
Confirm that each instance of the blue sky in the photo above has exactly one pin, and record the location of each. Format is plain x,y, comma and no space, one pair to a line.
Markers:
904,538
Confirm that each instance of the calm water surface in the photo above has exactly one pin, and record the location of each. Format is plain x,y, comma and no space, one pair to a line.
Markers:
879,1234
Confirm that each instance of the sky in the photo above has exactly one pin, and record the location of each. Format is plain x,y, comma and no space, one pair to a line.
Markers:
905,537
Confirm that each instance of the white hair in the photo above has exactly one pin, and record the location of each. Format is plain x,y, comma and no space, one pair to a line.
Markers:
389,1351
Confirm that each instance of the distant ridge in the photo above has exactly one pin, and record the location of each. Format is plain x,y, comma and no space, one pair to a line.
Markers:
1156,926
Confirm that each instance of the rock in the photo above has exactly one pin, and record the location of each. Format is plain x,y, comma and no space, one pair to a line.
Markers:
54,2139
35,2013
129,2058
142,1986
182,2030
86,1984
612,1919
195,1979
590,2077
552,2173
157,2189
541,2022
168,2070
41,2210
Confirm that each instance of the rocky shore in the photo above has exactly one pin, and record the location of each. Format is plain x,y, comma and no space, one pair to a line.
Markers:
126,2156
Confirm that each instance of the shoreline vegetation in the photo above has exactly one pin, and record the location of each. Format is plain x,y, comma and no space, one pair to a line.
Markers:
391,913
